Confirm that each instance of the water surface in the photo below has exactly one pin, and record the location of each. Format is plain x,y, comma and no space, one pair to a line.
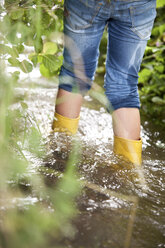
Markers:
119,206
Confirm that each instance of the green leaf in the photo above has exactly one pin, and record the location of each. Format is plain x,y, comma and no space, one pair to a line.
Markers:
14,61
45,71
34,58
25,66
149,50
160,3
17,14
162,29
40,58
20,28
8,50
144,75
158,100
50,48
51,62
24,105
162,88
5,49
38,45
159,68
20,48
15,75
9,3
159,58
14,52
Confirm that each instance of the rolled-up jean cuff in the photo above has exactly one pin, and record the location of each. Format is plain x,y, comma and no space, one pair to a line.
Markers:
69,82
117,106
113,107
70,88
75,87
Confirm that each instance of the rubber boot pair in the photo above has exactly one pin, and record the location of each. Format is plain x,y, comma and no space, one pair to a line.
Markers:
128,149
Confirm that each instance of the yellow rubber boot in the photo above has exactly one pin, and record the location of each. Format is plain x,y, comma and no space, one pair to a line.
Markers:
65,124
129,149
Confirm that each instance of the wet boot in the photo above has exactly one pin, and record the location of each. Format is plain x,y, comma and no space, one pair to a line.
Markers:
130,149
65,124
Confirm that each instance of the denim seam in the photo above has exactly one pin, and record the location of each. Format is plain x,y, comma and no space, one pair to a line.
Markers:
84,26
134,29
136,7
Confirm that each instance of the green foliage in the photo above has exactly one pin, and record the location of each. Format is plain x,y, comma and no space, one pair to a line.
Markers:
25,66
152,74
50,48
31,23
160,3
49,219
51,62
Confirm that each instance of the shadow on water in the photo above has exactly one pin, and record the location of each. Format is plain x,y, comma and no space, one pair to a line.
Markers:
115,208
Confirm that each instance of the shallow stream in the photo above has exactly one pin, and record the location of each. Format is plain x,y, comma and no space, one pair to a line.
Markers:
119,205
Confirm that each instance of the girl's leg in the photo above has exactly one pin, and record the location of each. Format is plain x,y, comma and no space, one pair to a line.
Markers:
68,104
82,35
126,123
128,31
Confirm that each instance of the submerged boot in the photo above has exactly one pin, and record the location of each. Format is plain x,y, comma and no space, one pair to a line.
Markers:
65,124
129,149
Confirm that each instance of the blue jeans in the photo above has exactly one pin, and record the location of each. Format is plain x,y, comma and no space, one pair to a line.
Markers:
129,24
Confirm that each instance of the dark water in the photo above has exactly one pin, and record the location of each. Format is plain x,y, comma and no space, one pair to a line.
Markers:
119,205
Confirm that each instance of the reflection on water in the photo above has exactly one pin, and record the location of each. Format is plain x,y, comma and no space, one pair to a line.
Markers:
115,208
